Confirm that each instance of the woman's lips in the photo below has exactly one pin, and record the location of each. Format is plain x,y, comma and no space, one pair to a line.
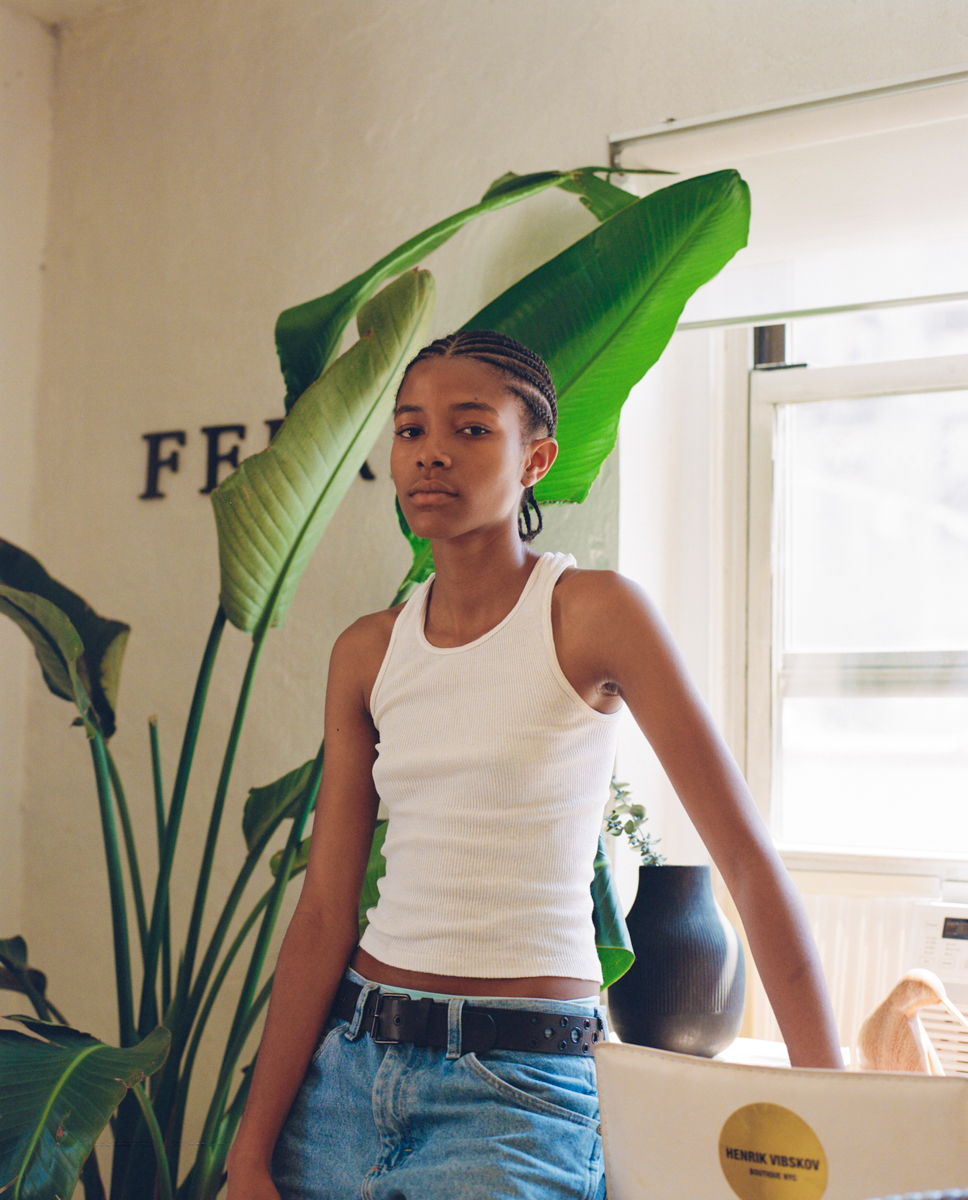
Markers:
431,491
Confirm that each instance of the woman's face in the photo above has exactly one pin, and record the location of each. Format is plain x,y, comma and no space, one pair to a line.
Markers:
460,459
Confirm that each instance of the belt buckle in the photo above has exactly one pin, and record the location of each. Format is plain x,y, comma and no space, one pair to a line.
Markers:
375,1020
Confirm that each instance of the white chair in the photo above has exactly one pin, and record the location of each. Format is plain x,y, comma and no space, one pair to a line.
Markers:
677,1126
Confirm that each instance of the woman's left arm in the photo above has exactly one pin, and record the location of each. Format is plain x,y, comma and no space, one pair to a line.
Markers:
638,654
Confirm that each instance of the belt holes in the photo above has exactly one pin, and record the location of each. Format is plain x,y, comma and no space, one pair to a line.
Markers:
587,1023
533,1043
396,1020
549,1032
562,1045
584,1047
576,1035
563,1022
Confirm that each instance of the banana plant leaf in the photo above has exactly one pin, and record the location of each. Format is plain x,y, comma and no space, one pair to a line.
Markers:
601,312
266,806
601,197
56,1096
308,335
102,639
612,939
59,650
423,560
375,869
271,512
16,975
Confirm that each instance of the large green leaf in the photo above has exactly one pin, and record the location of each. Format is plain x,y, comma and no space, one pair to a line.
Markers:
376,867
266,806
273,509
58,648
56,1096
422,566
308,335
612,939
102,639
16,975
601,312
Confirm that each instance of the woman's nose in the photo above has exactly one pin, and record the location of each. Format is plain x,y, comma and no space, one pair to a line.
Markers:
433,456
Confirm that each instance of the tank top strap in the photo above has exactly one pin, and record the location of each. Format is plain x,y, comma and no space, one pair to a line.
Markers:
405,629
535,607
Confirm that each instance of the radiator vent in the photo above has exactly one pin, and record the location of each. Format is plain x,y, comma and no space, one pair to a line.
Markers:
861,924
948,1037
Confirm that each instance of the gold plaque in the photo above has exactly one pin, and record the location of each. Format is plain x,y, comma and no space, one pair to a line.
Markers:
767,1152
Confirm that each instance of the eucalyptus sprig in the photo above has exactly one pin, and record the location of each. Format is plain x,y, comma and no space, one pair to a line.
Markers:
628,819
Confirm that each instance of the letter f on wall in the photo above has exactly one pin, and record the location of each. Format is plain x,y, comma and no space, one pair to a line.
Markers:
156,462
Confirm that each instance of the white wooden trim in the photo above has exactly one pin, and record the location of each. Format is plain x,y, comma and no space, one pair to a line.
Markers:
744,116
729,522
759,675
914,673
857,862
802,385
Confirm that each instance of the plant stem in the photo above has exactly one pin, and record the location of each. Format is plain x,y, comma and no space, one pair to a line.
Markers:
159,794
119,916
244,1015
170,1090
42,1006
148,1014
58,1015
131,849
218,804
233,1113
213,1152
147,1112
91,1178
184,1080
183,1006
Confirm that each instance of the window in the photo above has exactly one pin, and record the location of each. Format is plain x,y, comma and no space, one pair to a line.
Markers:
804,530
859,511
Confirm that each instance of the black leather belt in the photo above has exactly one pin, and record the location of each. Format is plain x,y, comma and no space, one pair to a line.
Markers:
392,1017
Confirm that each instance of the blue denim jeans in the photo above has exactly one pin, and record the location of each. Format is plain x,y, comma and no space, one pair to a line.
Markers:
403,1122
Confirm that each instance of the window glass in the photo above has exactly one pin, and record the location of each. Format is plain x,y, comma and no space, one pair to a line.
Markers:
880,335
883,773
873,523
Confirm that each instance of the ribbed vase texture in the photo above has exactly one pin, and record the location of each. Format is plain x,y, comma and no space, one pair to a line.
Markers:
686,989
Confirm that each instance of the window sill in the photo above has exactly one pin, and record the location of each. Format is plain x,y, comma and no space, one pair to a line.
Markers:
861,862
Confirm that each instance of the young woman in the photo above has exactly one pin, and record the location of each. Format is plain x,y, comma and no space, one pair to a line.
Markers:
449,1053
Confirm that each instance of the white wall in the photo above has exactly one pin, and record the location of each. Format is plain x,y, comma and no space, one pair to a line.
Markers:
26,65
218,160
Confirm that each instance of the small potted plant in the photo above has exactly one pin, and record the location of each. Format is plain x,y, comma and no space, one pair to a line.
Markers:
686,989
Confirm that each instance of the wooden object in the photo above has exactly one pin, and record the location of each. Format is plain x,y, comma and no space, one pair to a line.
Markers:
892,1037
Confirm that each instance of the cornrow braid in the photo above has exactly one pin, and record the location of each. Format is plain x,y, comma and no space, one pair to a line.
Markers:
527,376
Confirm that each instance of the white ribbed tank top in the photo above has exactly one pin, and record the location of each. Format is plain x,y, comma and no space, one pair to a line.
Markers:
495,776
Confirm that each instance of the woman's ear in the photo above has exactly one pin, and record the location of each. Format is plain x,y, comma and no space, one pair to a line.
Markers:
542,453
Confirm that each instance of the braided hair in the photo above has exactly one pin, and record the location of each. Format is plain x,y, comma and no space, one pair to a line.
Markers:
526,375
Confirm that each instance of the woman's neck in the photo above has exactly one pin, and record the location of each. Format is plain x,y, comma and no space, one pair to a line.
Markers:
477,581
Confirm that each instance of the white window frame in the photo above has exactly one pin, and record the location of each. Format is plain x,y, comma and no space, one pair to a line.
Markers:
894,674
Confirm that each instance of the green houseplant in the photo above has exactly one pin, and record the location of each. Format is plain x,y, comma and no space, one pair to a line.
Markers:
600,313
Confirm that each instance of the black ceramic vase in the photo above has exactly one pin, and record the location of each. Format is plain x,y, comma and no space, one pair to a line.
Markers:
685,990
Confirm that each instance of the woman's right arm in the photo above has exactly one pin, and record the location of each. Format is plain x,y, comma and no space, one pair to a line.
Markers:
324,928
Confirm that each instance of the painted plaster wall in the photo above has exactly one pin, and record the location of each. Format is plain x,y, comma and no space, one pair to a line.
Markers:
216,161
26,65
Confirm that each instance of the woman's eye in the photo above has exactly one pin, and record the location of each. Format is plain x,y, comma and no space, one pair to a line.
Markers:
407,431
475,430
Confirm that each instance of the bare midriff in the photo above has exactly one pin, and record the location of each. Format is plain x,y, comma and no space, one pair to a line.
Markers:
548,987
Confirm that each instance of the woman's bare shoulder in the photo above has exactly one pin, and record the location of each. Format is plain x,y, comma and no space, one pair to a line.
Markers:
370,632
582,593
360,649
